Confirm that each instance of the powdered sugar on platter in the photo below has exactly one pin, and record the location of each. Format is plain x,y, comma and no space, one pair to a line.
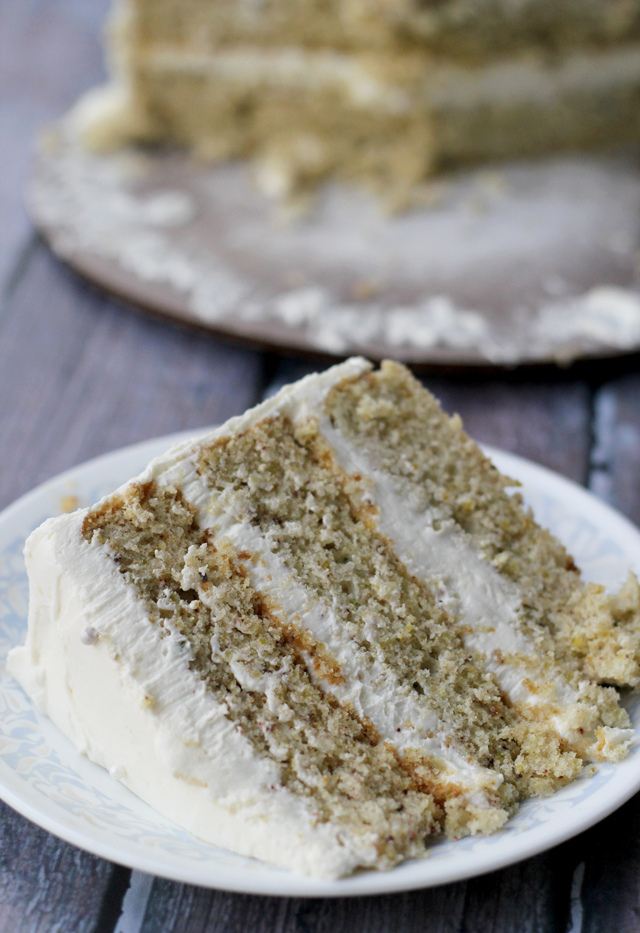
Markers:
528,263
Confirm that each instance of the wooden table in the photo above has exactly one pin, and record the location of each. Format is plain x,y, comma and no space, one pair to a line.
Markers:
81,374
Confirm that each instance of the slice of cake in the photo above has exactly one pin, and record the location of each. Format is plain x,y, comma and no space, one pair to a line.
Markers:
383,92
327,632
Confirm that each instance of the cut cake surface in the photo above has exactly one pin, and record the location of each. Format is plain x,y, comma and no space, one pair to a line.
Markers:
327,632
383,93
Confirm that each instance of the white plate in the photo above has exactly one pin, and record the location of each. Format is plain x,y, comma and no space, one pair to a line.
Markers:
44,778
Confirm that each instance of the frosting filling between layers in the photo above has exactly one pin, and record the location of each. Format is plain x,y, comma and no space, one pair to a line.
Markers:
369,81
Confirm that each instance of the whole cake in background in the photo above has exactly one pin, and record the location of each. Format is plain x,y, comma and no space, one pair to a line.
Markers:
381,92
327,632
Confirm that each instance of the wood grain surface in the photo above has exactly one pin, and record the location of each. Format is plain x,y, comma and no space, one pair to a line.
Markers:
80,375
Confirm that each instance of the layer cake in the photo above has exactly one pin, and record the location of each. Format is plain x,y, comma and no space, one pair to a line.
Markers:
327,632
384,92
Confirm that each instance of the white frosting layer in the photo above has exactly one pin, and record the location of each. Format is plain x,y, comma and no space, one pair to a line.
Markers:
535,80
513,81
300,68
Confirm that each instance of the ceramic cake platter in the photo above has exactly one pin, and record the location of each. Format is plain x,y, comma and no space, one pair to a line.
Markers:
526,263
48,781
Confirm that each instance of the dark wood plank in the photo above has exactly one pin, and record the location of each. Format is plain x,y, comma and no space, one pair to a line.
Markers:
47,885
281,371
610,897
80,375
531,896
516,900
182,909
49,53
615,460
